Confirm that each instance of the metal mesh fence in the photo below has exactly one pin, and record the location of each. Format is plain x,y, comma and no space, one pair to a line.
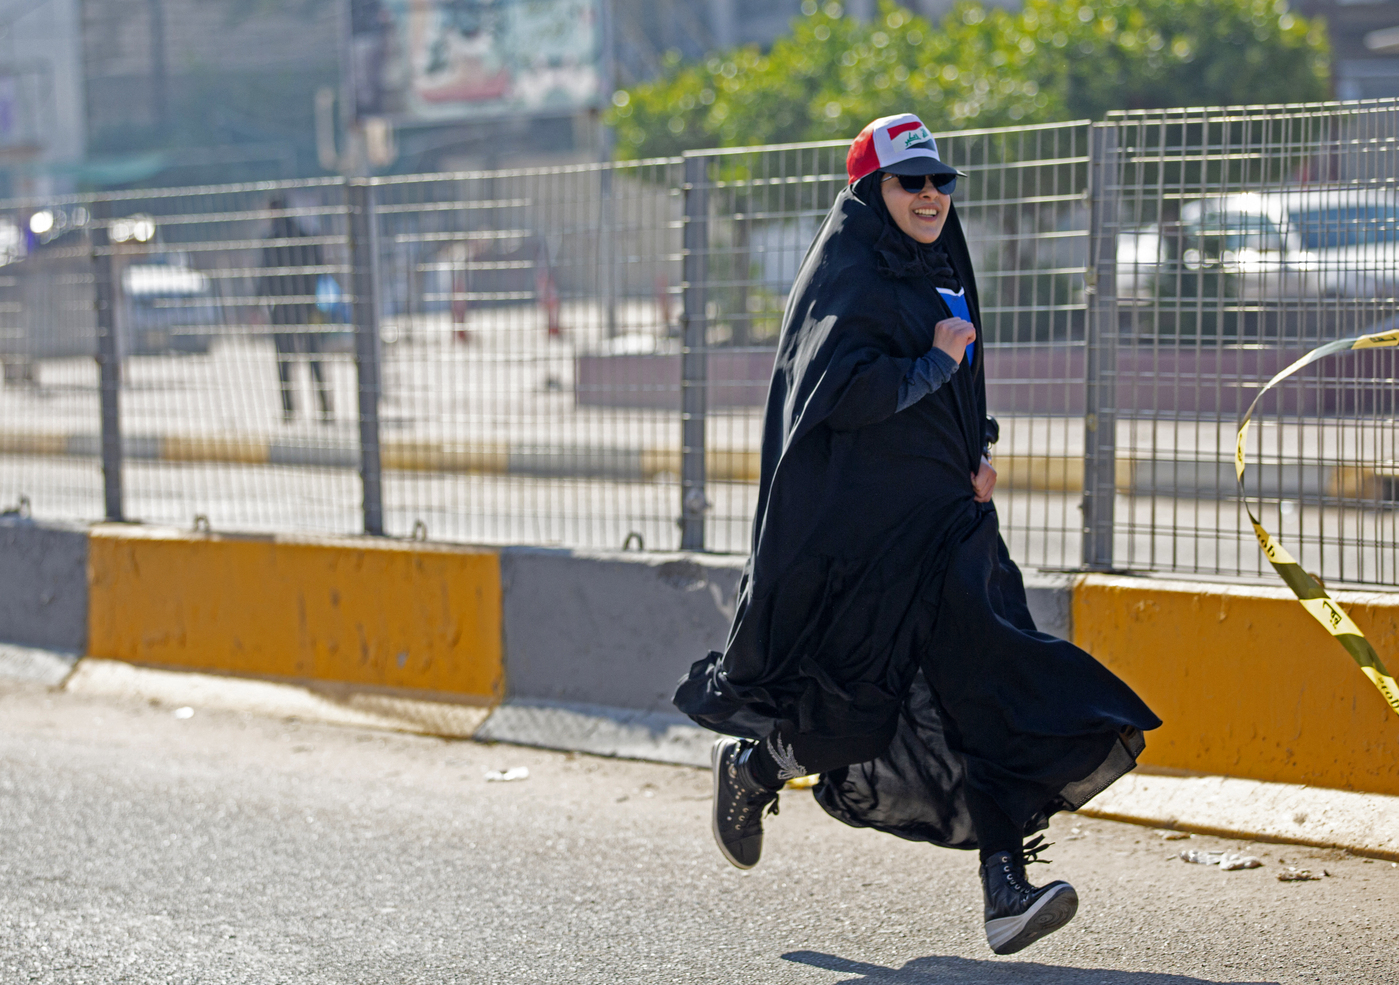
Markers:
50,422
229,350
1243,239
530,365
578,356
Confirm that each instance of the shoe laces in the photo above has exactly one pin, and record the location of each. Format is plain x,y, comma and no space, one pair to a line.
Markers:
1030,854
751,810
1014,867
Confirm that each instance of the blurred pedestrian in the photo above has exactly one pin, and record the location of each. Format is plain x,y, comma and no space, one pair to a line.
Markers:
882,637
290,273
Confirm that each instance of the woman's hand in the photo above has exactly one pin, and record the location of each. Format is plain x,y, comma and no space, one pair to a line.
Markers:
951,335
984,482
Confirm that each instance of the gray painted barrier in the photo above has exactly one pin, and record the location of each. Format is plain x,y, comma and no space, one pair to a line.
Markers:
595,643
43,584
605,628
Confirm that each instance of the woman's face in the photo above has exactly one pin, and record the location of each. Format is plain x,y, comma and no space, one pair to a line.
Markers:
920,214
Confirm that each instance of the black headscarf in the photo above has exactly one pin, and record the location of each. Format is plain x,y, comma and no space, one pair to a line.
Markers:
900,254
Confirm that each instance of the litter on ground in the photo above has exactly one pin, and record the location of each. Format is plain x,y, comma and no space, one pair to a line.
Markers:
513,773
1228,861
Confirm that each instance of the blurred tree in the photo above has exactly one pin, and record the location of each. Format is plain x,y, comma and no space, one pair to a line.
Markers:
1051,60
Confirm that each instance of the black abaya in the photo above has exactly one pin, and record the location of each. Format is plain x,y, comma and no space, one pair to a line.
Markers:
878,588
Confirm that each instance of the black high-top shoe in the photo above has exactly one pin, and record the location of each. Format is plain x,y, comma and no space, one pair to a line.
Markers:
739,803
1017,913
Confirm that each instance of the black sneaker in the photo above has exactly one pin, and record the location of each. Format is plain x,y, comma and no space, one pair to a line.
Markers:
1017,913
739,803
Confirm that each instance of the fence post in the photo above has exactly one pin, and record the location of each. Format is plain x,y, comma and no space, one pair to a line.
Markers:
108,360
1100,410
364,266
693,357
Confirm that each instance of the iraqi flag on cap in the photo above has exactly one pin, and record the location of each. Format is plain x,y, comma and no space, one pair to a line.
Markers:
898,145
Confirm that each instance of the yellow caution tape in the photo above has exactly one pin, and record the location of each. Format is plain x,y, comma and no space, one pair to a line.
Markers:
1308,590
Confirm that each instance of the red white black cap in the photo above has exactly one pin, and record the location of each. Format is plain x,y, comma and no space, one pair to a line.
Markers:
896,145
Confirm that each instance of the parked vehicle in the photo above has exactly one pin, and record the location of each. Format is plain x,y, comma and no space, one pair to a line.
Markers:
1351,236
1311,242
169,306
1234,246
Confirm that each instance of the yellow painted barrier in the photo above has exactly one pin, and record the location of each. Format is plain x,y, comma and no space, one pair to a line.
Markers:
32,443
242,450
432,456
720,464
357,611
1246,681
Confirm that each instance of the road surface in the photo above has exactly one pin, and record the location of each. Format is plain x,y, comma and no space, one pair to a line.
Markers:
140,847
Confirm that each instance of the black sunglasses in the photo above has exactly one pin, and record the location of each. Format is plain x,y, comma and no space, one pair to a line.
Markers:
914,183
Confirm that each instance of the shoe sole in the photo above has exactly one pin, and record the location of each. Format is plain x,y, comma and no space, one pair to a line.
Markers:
1050,912
714,754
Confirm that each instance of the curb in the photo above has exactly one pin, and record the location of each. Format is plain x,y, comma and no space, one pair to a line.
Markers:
540,461
1363,824
621,733
1286,813
1034,473
25,663
581,650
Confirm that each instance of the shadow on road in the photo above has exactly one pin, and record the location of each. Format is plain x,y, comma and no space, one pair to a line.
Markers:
939,970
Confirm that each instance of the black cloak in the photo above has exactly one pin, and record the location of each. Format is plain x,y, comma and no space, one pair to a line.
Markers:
878,588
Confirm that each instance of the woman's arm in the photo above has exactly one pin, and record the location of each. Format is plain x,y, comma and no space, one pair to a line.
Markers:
883,385
872,392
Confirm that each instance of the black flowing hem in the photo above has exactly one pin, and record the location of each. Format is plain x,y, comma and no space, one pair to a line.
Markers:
916,790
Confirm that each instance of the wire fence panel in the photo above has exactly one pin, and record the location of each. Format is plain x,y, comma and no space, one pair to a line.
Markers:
531,369
761,210
579,356
1245,238
232,387
238,396
49,400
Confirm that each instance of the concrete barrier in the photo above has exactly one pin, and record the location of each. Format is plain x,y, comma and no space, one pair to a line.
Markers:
43,584
581,650
377,613
611,628
595,643
1247,683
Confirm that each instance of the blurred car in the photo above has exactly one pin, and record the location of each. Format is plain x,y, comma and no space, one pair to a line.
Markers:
168,306
1352,236
1311,242
1244,245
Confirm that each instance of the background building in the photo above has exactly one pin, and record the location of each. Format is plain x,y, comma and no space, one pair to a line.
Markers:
1364,44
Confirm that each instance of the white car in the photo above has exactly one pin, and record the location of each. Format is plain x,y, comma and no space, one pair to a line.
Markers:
1307,243
1244,245
1351,235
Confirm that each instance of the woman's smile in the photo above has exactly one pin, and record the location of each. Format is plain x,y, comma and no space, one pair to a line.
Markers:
920,214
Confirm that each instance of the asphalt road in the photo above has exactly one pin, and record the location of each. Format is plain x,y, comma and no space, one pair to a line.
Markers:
136,846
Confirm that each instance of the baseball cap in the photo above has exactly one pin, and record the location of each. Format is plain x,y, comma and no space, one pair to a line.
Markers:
897,145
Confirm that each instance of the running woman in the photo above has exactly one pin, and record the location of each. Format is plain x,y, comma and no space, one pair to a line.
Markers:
882,637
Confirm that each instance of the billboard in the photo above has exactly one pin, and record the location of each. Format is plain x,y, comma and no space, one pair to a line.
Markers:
429,61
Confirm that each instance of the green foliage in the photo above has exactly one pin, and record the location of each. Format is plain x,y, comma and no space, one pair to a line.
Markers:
1052,60
1111,54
